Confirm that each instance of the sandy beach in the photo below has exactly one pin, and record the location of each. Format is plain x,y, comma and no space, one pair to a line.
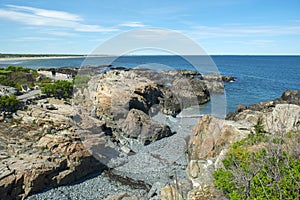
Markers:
39,58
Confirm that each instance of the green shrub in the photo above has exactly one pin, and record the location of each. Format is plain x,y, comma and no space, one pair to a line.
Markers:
5,81
81,81
9,103
59,89
18,69
254,170
44,81
15,76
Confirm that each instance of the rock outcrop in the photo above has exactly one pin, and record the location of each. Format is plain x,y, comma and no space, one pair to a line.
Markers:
7,90
142,89
54,143
118,96
287,97
211,138
290,97
42,150
215,81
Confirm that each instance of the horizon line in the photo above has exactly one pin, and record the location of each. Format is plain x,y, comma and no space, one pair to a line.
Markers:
101,55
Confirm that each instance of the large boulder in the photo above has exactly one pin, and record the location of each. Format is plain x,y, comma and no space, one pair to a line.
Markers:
7,90
208,139
139,126
145,97
190,92
115,92
43,150
169,103
210,135
110,96
54,160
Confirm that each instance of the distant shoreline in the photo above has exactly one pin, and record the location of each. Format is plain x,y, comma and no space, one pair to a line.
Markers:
42,57
39,58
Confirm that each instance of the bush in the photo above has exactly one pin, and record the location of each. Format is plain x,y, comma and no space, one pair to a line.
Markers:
5,81
59,89
267,171
18,69
9,103
15,76
81,81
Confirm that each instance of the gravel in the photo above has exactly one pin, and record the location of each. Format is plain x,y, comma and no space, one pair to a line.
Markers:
95,188
148,170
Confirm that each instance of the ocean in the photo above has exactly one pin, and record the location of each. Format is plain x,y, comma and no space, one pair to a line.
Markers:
258,78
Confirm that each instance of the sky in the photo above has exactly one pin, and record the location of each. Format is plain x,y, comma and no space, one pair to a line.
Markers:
221,27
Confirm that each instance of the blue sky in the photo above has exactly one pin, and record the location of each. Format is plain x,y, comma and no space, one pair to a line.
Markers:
219,26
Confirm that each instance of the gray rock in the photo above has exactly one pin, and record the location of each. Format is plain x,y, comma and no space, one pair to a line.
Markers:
7,90
138,125
51,107
190,92
170,104
288,97
291,97
228,79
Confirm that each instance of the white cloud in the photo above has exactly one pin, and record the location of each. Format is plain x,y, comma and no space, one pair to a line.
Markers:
133,24
154,34
48,13
50,18
23,39
59,33
251,42
201,32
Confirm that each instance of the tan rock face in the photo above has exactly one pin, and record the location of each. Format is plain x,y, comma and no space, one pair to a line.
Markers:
212,137
41,152
178,190
170,192
115,92
284,118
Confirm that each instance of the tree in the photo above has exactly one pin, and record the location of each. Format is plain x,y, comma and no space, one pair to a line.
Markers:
59,89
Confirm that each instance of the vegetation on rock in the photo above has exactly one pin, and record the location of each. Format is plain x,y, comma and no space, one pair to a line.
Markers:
261,166
16,76
9,103
81,81
59,89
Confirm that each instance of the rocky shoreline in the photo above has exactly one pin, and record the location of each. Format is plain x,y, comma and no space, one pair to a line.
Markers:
52,145
122,126
203,155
